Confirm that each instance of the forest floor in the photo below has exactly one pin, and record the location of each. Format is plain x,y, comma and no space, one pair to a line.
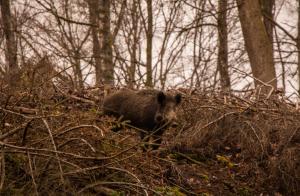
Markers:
61,143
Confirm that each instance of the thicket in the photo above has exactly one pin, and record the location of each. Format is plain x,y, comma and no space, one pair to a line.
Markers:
57,141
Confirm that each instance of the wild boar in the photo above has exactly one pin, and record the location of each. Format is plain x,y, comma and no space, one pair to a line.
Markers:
150,110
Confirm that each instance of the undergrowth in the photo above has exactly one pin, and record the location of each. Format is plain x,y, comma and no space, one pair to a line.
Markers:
225,145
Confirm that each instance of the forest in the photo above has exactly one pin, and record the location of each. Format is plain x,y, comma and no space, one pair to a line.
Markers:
227,71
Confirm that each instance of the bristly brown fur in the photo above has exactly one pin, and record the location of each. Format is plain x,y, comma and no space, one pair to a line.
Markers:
145,109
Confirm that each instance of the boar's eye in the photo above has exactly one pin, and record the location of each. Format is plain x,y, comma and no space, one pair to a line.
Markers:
178,98
161,97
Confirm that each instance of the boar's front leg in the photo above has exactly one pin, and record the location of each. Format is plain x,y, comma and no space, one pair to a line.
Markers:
157,138
145,139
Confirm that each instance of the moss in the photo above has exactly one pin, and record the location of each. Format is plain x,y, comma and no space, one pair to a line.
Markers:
169,191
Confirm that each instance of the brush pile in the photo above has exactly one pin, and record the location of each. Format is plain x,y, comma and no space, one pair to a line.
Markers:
62,144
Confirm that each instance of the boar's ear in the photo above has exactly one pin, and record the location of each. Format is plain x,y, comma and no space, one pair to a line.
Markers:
178,98
161,97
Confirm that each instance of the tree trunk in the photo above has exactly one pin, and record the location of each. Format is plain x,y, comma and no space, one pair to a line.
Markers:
133,58
149,34
78,73
268,15
13,75
267,10
257,43
107,65
223,45
94,20
298,46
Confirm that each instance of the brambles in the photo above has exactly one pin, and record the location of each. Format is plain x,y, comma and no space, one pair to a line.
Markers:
223,145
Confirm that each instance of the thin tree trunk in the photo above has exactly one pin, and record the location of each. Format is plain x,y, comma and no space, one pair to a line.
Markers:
257,43
94,20
298,45
11,43
149,82
78,72
268,15
132,68
107,65
223,45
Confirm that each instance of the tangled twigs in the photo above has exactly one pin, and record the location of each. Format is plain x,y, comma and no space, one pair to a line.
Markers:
257,137
15,130
75,156
264,84
43,155
214,121
128,172
78,127
118,184
77,139
70,149
75,97
23,110
32,175
55,149
29,116
2,168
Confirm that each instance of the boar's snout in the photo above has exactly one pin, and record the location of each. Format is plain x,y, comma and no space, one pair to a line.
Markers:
174,124
158,118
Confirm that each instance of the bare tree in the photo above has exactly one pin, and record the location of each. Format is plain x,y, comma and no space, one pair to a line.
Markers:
257,43
172,42
72,47
11,43
223,45
133,43
102,41
106,52
94,20
76,36
63,38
